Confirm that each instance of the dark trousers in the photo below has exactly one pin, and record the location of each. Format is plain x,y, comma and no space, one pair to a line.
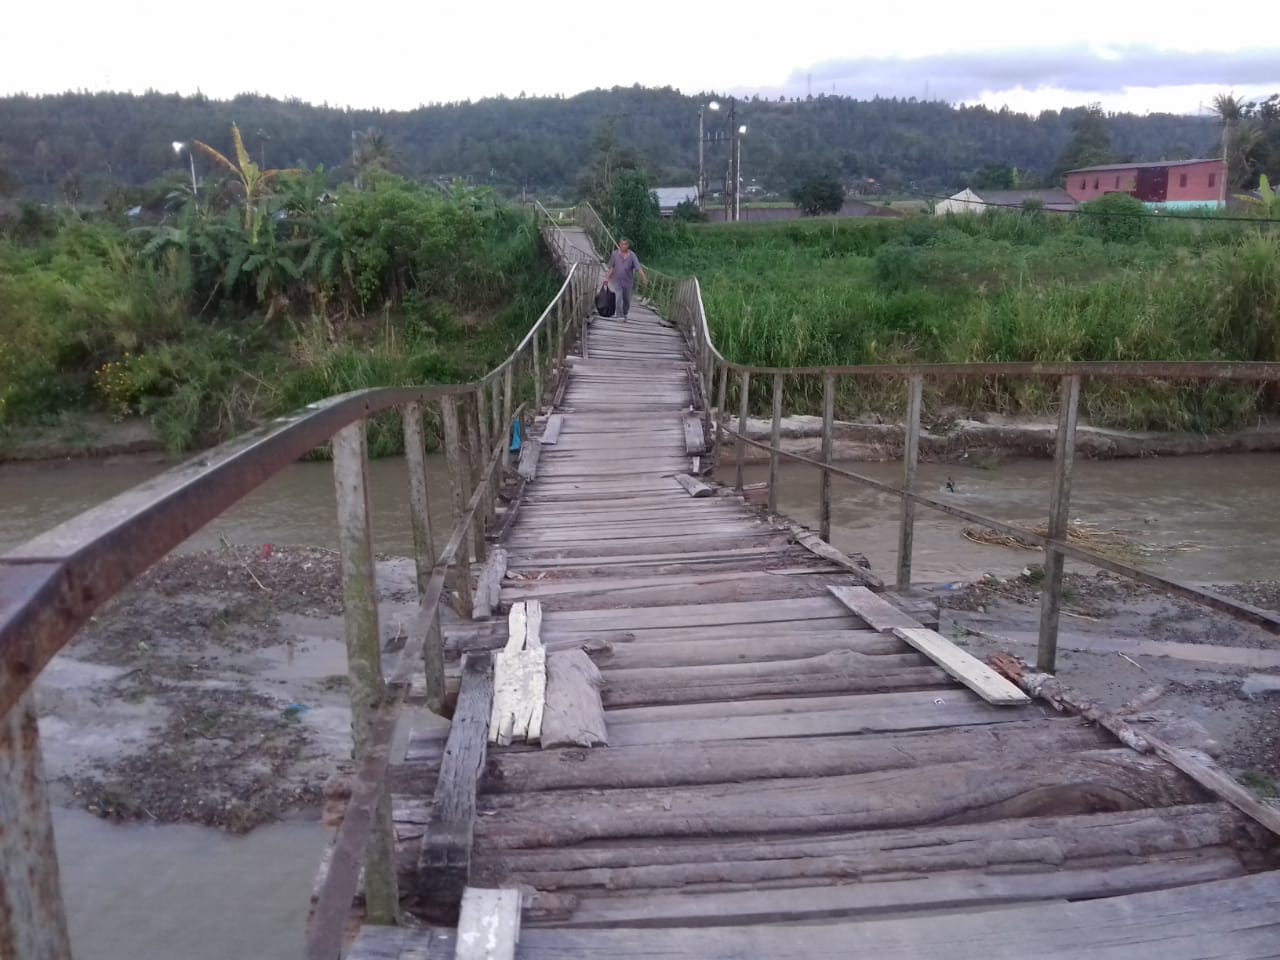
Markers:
624,299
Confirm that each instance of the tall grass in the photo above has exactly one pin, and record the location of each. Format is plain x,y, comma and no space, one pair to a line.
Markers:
999,287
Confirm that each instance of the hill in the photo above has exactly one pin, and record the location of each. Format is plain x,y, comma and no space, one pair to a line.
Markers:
88,143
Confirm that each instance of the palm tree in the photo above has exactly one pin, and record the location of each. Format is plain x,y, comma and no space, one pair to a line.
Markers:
372,153
1230,111
255,181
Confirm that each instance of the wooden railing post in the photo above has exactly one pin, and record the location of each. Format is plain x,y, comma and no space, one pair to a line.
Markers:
475,465
537,377
507,376
458,485
739,445
775,441
828,424
364,653
486,448
910,457
1059,517
495,410
424,548
721,397
33,922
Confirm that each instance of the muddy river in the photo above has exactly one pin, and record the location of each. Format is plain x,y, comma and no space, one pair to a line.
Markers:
138,891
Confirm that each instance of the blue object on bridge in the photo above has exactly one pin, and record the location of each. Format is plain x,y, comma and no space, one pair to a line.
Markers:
515,436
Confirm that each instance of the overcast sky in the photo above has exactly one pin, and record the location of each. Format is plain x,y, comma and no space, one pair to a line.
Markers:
1135,56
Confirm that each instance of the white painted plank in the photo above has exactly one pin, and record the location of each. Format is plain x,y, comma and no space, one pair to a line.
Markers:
879,613
969,670
488,924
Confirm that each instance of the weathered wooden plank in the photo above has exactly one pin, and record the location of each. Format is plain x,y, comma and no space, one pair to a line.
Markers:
528,466
694,440
742,649
968,790
520,678
690,614
551,434
966,668
489,584
445,859
574,715
924,702
693,486
825,551
1234,919
488,924
871,899
878,613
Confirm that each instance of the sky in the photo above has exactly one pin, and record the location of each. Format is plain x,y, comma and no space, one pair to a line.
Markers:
1135,56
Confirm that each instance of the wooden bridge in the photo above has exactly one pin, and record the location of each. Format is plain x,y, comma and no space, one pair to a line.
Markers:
681,725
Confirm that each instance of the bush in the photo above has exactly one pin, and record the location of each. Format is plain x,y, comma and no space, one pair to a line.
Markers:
818,195
1115,218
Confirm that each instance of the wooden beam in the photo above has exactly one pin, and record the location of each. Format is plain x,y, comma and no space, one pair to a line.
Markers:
489,584
444,863
695,441
529,450
520,678
878,613
489,924
551,434
693,486
965,667
820,548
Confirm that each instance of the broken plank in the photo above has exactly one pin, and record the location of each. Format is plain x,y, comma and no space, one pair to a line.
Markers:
820,548
444,862
520,678
694,440
966,668
878,613
528,466
574,714
489,584
488,925
551,434
694,487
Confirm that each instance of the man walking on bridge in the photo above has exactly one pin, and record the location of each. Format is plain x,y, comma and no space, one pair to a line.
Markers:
623,266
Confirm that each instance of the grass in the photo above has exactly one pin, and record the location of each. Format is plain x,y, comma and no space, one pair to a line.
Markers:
999,287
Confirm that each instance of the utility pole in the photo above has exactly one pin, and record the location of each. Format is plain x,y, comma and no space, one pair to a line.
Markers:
702,180
731,195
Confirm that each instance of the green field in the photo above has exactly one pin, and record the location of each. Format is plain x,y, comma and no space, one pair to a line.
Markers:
999,287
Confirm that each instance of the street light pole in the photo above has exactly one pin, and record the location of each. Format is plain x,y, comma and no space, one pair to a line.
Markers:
731,192
702,139
737,173
178,147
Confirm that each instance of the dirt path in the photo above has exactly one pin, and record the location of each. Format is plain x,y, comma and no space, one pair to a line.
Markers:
214,691
1117,639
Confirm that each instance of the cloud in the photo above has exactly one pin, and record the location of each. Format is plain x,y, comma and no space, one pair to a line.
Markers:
968,76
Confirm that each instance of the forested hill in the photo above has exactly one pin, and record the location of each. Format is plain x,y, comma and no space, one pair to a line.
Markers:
97,140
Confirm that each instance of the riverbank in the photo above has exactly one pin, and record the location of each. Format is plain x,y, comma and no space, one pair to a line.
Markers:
954,439
213,691
81,436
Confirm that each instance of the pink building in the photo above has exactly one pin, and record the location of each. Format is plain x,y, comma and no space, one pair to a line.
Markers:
1169,184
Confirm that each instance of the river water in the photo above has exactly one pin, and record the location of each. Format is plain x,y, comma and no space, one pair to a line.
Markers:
139,892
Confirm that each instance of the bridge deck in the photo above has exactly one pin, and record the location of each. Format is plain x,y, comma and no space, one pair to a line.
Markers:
773,758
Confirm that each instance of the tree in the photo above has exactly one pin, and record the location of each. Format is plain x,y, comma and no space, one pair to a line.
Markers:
1267,203
255,181
1090,143
633,209
995,176
371,155
818,195
609,159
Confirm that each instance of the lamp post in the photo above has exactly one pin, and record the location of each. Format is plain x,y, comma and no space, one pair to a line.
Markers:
737,172
178,147
702,180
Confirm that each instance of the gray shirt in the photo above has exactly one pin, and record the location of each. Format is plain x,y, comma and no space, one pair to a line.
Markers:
623,269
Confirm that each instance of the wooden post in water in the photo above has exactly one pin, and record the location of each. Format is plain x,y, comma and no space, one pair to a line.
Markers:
424,548
458,486
33,922
364,653
775,441
910,458
828,424
744,407
471,430
507,376
1059,517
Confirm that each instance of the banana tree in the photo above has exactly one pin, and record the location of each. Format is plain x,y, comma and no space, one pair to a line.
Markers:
255,181
1268,198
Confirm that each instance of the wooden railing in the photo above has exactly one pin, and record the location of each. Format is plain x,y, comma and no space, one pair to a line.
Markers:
733,382
51,586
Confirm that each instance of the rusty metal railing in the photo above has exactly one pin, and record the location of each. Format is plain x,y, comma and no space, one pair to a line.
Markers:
51,585
688,311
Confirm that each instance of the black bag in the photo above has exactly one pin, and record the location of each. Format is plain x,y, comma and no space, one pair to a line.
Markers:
606,302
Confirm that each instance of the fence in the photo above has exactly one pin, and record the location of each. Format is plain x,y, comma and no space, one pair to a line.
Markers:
51,585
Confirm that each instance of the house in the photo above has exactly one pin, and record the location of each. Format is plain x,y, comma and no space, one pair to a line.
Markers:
671,197
1162,185
969,201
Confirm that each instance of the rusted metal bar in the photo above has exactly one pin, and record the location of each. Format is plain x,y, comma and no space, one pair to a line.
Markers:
1059,516
424,551
364,653
828,425
33,923
744,408
507,376
475,461
910,457
775,442
458,485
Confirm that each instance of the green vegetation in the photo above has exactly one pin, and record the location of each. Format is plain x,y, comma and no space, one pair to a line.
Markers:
999,286
818,195
245,303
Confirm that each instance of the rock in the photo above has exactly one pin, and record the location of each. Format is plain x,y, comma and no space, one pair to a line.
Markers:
1260,684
